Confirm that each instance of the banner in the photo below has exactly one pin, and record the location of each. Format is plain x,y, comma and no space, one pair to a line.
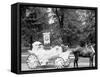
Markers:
46,37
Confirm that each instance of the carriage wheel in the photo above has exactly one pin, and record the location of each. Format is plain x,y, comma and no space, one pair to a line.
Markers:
67,63
59,62
32,61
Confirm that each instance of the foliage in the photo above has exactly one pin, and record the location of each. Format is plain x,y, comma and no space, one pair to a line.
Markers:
33,19
69,26
77,26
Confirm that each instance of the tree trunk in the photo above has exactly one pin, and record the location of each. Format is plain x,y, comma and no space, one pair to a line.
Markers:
61,26
31,41
61,22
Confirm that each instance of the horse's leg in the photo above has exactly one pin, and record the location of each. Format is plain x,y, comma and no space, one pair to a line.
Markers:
91,62
92,59
76,62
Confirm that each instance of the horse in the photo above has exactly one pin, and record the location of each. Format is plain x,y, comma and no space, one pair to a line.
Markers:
86,52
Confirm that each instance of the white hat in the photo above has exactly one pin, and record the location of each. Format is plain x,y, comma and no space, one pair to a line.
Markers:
36,43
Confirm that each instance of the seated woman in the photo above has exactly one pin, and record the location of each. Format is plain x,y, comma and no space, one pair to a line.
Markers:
35,46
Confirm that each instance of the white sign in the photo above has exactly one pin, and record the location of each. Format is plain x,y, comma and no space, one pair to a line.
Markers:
46,37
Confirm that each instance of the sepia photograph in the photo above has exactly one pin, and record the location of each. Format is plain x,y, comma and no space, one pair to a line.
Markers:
57,37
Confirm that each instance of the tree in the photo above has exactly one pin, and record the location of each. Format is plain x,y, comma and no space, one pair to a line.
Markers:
67,26
76,25
33,20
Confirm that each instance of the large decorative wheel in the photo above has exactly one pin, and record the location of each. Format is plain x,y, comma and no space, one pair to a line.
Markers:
59,62
32,61
67,62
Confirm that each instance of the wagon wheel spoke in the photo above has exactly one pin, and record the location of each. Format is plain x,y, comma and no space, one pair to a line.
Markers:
32,61
59,62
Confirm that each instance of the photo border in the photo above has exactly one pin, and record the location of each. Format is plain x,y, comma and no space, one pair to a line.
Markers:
52,6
